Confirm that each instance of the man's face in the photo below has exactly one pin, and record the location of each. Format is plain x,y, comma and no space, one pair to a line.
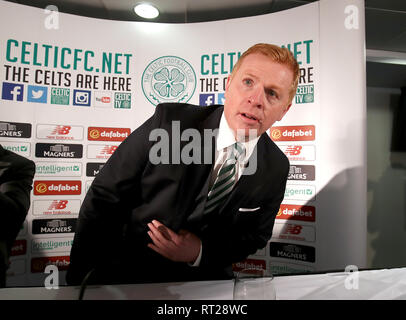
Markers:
258,94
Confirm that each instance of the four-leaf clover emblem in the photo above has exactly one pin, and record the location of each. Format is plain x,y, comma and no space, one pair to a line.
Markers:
169,83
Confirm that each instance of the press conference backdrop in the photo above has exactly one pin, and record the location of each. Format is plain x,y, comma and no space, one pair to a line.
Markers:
73,88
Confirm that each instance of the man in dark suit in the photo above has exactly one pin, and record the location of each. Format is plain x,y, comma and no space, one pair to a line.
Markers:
153,216
16,175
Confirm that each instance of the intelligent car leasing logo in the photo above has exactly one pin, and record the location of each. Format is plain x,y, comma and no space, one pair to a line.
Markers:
168,79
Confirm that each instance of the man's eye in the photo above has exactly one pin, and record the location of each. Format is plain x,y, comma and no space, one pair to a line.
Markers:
247,82
271,93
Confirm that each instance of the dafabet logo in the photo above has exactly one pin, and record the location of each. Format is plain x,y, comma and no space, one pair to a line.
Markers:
107,134
57,187
293,133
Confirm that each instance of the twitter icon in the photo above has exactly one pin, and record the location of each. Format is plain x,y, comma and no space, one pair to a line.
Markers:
37,94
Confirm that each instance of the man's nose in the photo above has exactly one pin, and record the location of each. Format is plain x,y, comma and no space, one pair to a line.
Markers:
256,97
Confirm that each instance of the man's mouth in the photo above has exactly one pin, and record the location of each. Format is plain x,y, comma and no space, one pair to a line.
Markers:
249,116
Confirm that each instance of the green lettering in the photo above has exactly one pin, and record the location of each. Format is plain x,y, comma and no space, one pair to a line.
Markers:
106,62
308,42
87,53
127,69
117,63
8,51
24,52
204,71
76,58
35,62
214,63
67,66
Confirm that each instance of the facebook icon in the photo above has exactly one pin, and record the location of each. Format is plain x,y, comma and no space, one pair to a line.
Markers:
206,99
12,91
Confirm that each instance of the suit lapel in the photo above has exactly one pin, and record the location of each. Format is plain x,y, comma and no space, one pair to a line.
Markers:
195,180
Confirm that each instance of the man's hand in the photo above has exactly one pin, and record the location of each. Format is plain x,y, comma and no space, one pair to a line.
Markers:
181,247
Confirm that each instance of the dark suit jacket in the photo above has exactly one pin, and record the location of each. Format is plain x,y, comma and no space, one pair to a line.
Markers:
16,174
130,191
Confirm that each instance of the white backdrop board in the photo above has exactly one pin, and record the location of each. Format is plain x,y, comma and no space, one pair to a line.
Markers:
72,88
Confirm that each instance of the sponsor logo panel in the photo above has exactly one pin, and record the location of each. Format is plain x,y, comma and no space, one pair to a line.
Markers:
296,212
294,232
302,172
21,148
93,168
50,150
15,129
278,268
19,248
293,133
249,264
57,187
56,207
39,264
64,169
300,192
51,245
100,151
59,132
107,134
292,251
299,152
49,226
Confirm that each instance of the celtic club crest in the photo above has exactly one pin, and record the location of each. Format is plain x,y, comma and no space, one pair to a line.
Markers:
168,79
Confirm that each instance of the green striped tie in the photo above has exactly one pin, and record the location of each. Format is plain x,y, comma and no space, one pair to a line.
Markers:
225,179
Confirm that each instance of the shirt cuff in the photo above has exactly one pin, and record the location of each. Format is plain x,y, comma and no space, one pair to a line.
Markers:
199,257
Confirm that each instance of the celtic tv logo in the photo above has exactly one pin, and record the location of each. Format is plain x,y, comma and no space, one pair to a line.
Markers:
168,79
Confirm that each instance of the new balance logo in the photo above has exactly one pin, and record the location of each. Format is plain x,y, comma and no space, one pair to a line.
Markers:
58,205
61,130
